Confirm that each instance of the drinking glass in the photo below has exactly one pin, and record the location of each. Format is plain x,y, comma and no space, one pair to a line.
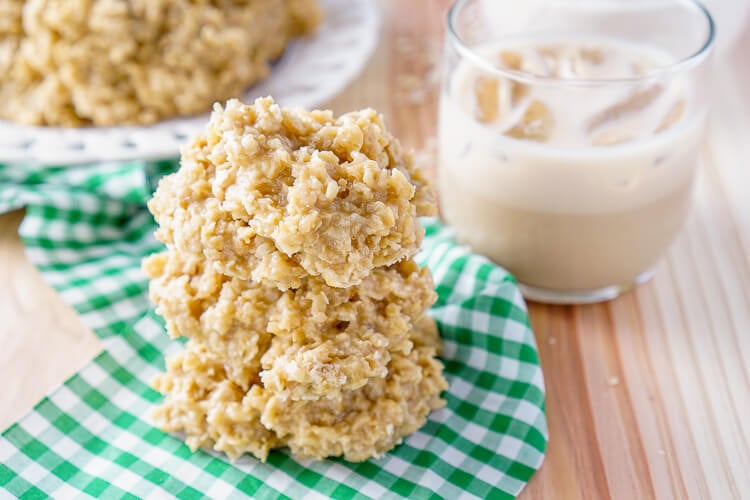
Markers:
570,134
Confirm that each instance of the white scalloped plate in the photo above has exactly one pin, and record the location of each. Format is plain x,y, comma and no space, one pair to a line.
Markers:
312,70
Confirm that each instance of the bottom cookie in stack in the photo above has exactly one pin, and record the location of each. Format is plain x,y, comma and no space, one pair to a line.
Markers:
214,410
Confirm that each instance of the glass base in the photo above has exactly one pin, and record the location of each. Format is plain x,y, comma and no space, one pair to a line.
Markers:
551,296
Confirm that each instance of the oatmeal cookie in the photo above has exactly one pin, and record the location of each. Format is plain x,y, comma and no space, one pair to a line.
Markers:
273,194
213,410
310,341
110,62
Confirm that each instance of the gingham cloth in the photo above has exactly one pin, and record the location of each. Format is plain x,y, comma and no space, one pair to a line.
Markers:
86,229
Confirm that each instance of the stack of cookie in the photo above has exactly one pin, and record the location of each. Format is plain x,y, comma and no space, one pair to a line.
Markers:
290,237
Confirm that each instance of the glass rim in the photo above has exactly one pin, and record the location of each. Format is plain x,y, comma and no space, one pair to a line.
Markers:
681,65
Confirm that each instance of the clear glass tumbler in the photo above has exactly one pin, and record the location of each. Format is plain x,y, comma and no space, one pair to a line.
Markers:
569,136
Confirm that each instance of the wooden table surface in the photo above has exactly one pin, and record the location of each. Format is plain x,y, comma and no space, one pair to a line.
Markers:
648,396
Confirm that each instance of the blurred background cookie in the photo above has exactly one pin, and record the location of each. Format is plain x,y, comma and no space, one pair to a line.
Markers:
109,62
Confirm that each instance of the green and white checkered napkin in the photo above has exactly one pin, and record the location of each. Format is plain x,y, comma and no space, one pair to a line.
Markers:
86,229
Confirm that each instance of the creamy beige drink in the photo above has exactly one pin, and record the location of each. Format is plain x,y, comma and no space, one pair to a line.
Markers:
573,188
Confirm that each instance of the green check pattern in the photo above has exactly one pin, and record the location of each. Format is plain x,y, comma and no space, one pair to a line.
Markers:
87,228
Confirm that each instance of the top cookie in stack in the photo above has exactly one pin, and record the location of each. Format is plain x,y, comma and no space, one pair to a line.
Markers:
277,195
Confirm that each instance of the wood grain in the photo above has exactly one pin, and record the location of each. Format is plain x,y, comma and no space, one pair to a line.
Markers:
648,395
42,341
